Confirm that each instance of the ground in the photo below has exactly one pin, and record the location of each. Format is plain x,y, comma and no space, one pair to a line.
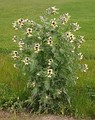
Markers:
23,116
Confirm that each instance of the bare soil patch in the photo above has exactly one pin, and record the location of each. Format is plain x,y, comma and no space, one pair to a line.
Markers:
25,116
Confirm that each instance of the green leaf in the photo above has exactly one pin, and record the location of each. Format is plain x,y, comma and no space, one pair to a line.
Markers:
33,65
47,84
61,51
34,91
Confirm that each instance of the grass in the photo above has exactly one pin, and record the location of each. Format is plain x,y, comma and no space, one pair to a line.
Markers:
81,11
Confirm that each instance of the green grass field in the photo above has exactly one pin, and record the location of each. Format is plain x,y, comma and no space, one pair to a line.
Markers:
81,11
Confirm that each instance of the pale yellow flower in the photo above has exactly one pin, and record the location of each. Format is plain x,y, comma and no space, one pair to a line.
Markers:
80,56
20,22
82,39
47,97
26,61
64,18
54,23
70,36
50,41
15,25
49,72
85,68
50,61
37,47
29,32
14,39
59,91
33,84
15,55
15,66
21,44
53,10
75,26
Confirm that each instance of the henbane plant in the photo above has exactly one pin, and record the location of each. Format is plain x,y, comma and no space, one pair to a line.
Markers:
48,53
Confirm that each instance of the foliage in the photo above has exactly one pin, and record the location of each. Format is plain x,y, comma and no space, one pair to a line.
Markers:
5,93
91,92
48,53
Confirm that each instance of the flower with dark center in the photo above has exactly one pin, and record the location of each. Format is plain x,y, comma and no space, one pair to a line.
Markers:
26,61
37,47
54,23
50,41
29,32
20,22
70,36
15,55
49,72
50,61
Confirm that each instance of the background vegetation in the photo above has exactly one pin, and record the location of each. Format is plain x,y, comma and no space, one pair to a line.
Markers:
82,11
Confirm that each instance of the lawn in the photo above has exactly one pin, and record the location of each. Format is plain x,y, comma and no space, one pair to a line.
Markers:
81,11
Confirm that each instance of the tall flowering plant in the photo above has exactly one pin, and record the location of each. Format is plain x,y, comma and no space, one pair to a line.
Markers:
48,53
